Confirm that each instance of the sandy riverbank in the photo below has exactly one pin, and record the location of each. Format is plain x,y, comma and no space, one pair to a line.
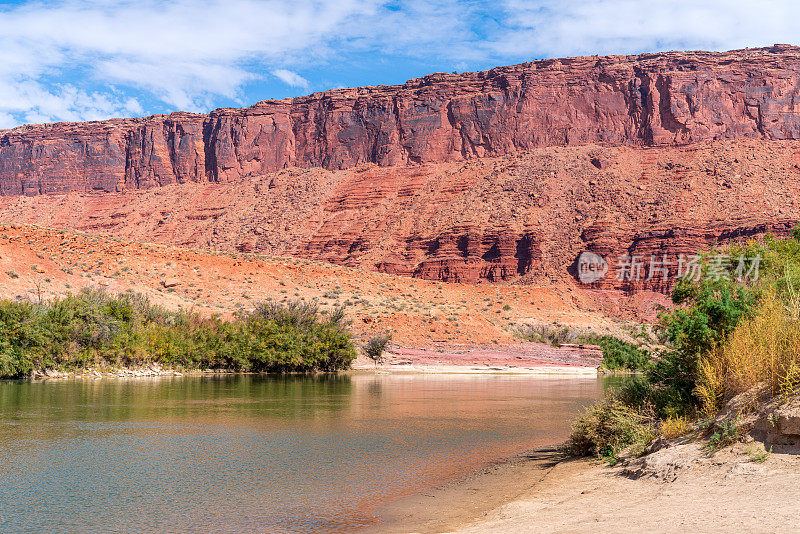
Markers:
122,372
516,358
445,369
684,489
430,369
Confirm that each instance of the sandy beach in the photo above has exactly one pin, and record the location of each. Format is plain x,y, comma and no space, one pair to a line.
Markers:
683,491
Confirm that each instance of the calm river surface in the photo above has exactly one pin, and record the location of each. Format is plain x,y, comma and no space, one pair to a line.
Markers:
257,454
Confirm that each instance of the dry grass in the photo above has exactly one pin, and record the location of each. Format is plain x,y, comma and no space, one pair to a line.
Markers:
675,427
608,427
762,351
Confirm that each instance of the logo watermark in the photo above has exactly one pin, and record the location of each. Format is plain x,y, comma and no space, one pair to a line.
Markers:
591,267
694,267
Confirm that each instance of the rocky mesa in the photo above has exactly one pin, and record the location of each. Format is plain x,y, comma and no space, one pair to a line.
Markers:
660,99
507,174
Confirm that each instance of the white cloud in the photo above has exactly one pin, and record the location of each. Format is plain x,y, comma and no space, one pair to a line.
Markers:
182,53
291,78
551,28
7,121
77,60
32,102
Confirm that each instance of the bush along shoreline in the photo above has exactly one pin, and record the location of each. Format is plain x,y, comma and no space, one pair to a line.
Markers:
94,329
618,356
724,338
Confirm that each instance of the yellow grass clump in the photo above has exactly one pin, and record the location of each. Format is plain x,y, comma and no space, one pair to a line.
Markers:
762,350
675,427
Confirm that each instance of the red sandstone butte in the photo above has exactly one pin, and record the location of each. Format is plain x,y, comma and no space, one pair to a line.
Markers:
671,98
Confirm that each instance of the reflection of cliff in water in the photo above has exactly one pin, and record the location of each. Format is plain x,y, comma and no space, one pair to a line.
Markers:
258,453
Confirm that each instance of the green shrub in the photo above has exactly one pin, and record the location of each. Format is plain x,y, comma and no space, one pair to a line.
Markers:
708,313
725,433
758,456
93,328
724,337
618,354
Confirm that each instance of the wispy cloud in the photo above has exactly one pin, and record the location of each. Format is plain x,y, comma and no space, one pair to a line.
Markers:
552,28
90,59
291,78
184,54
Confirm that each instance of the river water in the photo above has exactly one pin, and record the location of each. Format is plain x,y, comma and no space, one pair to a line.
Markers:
258,454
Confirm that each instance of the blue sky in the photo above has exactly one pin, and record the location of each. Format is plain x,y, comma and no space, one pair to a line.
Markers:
68,60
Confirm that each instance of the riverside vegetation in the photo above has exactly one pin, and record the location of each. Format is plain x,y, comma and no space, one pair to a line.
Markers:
723,338
93,328
375,347
618,355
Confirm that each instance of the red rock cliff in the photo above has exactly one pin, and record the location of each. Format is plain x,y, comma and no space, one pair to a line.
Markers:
652,99
524,217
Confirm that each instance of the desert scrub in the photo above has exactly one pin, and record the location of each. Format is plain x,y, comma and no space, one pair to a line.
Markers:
553,334
758,455
332,294
375,347
617,354
607,428
95,328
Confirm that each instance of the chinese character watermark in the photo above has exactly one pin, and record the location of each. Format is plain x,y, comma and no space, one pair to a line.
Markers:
662,267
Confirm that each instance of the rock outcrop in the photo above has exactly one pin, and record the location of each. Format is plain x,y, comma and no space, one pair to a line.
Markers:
661,99
527,216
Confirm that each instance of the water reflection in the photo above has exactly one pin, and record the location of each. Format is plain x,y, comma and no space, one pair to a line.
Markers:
256,454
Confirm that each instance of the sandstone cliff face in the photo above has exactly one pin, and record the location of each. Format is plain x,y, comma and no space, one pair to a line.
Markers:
522,217
646,100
